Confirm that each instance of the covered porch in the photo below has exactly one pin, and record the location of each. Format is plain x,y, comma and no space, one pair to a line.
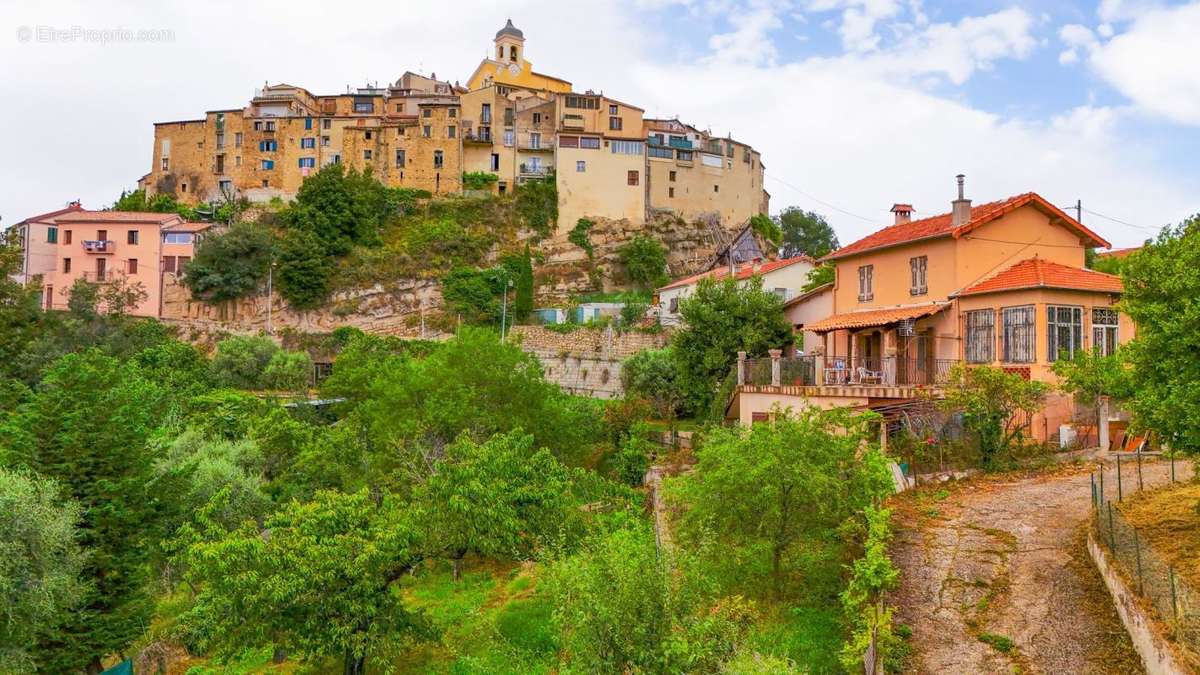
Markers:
896,347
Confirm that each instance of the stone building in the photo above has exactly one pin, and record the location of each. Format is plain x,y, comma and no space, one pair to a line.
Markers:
511,121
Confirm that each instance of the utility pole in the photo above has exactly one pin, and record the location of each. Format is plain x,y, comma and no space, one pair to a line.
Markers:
1079,210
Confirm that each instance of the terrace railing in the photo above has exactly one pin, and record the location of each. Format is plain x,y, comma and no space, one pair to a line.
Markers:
890,371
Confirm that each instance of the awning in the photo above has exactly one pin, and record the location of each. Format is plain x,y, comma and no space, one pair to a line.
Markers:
873,317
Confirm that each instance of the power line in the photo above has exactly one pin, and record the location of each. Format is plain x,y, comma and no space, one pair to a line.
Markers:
821,201
1122,222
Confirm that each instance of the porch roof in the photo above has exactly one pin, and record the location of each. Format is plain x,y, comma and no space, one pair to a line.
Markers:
874,317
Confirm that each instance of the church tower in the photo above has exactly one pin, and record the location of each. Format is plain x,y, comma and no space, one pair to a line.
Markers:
510,45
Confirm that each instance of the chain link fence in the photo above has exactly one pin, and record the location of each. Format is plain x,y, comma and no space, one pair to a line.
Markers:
1175,600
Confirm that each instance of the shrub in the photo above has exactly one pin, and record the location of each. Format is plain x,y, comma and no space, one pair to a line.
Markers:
537,205
305,270
633,458
290,371
633,312
240,361
231,264
645,261
579,236
653,375
478,180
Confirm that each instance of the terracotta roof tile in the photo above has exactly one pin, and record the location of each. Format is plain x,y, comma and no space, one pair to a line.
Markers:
43,217
1118,252
943,226
1041,273
873,317
744,272
120,217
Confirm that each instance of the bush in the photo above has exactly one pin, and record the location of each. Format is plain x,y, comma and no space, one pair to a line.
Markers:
305,270
537,205
290,371
632,460
645,261
231,264
633,313
478,180
474,294
241,360
579,236
653,375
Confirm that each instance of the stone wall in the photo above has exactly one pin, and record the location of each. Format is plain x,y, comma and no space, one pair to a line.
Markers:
586,361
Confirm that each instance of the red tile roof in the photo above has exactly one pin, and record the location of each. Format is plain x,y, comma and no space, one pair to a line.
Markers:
1041,273
873,317
43,217
188,227
943,226
1118,252
744,272
120,217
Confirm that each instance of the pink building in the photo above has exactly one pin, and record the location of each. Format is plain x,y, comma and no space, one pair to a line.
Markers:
100,246
38,239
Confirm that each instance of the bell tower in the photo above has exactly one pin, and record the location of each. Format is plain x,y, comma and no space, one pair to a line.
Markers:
510,45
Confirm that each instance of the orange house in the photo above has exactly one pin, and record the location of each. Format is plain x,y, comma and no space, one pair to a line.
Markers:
1001,284
101,246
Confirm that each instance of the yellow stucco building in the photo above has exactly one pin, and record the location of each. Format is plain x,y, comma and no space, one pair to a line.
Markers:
520,125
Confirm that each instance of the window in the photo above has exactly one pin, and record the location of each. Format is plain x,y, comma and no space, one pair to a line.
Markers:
308,162
177,237
485,113
169,264
366,155
51,235
183,187
1018,334
671,192
917,268
981,335
308,124
583,102
257,125
102,235
325,124
266,183
237,140
400,159
632,178
166,147
535,141
226,187
1064,331
368,135
427,131
183,261
324,141
626,147
426,113
364,107
131,237
268,146
220,141
508,138
308,143
66,237
268,164
661,152
495,162
270,126
866,279
537,118
612,109
66,265
580,166
220,168
716,188
451,131
568,141
452,112
1105,322
132,265
166,164
672,177
614,123
237,160
589,142
684,155
437,159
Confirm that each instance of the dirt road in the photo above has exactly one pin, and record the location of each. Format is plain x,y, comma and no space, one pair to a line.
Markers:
995,577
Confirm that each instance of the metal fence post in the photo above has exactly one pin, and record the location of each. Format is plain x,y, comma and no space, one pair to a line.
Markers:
1139,457
1120,494
1092,476
1101,485
1112,535
1137,549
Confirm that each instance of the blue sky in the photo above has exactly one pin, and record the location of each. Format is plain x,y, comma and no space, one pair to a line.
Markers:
855,104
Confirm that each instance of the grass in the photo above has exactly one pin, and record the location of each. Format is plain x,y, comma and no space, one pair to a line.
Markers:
1168,520
811,636
1000,643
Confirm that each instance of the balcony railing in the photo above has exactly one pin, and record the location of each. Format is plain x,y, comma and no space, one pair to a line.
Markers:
99,245
808,371
477,138
571,121
536,170
96,277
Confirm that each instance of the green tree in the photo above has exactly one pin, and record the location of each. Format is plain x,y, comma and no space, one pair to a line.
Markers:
720,319
1089,376
819,276
40,576
645,261
316,581
340,208
230,264
474,294
995,405
497,499
770,490
653,375
88,427
241,359
767,229
289,371
1162,296
305,270
522,305
137,200
806,232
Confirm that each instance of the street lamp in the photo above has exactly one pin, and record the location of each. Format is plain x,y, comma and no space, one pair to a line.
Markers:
504,306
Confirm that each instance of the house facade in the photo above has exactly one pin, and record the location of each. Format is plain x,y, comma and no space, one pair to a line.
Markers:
1000,284
784,277
37,237
104,246
510,121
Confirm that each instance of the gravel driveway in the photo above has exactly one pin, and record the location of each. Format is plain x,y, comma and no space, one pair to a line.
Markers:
995,577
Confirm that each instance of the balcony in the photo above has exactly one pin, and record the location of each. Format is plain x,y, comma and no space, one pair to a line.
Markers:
480,139
573,122
824,373
99,246
536,170
96,277
541,146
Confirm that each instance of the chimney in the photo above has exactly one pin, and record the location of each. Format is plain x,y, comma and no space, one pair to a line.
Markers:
960,212
756,266
903,212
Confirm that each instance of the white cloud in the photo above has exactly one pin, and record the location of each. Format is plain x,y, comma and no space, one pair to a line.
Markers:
1078,39
1111,11
1154,63
750,42
859,18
